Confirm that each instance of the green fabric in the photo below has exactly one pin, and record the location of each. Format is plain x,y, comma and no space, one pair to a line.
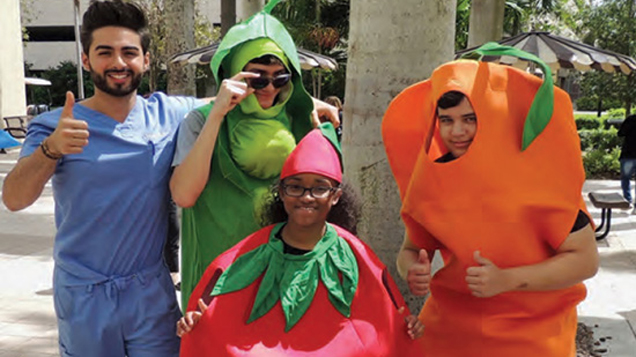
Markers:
255,49
260,147
293,279
225,212
329,132
542,107
239,58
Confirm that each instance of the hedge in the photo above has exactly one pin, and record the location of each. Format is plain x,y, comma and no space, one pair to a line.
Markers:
601,149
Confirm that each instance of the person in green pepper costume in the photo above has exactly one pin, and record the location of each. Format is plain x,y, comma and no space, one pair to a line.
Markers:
230,151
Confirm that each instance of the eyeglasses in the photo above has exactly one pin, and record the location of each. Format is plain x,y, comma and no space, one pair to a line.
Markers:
262,81
315,192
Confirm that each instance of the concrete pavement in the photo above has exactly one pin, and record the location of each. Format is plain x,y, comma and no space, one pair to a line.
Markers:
27,317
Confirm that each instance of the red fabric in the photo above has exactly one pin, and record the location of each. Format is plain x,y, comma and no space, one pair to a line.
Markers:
314,154
374,329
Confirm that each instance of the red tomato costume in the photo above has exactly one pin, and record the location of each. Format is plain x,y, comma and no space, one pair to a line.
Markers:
350,299
374,328
515,206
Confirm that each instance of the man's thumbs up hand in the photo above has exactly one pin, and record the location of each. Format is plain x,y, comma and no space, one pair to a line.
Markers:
71,135
486,279
419,274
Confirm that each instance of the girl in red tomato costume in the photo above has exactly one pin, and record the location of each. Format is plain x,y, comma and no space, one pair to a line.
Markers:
303,286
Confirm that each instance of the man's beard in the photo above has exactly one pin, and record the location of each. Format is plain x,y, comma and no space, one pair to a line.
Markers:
120,90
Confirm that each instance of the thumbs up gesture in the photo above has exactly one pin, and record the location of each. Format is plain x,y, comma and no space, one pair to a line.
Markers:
418,276
71,135
486,279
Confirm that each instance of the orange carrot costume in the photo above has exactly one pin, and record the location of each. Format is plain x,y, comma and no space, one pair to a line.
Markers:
515,206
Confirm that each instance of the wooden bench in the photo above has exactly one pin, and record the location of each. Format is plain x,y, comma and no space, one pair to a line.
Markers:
607,201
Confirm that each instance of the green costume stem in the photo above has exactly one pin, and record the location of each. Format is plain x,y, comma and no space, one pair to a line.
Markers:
543,104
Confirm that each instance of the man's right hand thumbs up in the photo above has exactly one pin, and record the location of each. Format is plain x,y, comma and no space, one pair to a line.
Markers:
419,275
71,135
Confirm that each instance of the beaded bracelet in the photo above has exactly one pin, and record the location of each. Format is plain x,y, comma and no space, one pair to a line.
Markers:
47,152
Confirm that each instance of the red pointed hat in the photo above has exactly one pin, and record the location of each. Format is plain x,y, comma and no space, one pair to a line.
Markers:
317,153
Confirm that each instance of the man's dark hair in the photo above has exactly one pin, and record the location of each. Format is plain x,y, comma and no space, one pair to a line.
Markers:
114,13
450,99
267,60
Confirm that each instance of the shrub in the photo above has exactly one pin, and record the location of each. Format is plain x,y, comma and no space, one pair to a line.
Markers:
616,113
585,137
587,121
600,164
601,150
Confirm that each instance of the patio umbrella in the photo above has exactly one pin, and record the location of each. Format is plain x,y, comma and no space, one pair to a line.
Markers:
203,55
559,52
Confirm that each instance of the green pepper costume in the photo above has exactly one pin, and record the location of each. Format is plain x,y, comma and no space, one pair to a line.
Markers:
251,147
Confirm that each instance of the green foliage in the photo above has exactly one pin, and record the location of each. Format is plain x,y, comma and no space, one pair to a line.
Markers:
600,164
63,78
616,113
608,88
27,14
587,122
204,34
462,21
320,26
601,150
610,25
520,16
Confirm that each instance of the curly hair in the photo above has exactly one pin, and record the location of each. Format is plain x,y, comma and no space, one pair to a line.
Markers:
344,214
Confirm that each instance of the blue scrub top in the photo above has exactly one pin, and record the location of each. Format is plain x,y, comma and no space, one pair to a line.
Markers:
111,200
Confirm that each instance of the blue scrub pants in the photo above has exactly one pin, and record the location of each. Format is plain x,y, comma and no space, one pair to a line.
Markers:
132,316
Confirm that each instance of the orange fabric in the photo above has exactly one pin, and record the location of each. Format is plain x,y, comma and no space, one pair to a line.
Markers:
375,328
515,207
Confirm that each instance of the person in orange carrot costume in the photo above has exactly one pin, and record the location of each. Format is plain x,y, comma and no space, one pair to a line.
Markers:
303,286
488,164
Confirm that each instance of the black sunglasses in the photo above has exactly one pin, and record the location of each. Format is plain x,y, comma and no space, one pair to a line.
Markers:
262,81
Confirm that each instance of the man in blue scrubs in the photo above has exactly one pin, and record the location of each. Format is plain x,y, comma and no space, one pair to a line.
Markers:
109,157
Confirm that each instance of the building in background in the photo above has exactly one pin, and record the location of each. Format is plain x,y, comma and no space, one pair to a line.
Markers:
52,35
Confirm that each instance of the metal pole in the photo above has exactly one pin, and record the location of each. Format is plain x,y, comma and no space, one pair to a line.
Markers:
78,47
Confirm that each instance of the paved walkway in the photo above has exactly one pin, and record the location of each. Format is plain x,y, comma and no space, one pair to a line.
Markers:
27,317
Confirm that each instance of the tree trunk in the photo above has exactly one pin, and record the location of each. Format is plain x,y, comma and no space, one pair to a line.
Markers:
390,48
486,21
247,8
179,23
228,15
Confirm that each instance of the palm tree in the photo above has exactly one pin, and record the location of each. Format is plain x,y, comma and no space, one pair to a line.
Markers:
390,47
247,8
179,23
486,21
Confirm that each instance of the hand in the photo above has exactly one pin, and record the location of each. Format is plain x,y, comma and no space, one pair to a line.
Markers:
486,280
232,91
414,327
419,275
191,319
322,109
71,135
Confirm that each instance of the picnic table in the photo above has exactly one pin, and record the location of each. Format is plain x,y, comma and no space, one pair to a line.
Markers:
607,201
